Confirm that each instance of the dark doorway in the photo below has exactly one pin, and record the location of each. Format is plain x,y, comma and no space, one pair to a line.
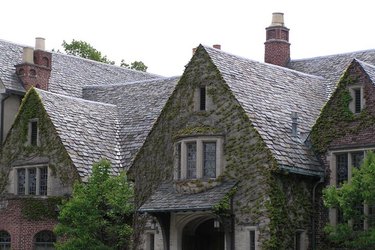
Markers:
202,236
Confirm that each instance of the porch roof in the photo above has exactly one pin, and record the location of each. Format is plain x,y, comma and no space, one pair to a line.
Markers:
167,199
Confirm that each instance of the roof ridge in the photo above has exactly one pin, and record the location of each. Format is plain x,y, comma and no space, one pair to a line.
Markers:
74,98
331,55
131,83
267,64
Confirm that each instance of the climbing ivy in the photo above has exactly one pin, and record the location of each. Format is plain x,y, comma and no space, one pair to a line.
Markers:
37,209
256,199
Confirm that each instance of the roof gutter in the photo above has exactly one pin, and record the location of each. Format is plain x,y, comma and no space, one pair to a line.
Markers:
300,171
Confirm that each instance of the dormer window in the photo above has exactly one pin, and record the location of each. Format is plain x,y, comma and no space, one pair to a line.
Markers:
357,103
198,158
33,133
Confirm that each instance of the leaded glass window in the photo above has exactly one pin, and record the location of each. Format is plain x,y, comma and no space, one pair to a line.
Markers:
34,133
4,240
45,240
32,181
357,159
342,168
21,180
191,160
43,181
209,159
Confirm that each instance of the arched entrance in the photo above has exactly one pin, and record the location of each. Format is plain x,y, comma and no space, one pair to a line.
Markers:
200,234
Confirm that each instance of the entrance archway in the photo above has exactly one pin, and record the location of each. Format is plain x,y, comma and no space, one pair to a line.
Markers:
200,234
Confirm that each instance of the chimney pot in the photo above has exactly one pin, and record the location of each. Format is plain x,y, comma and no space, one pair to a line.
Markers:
216,46
40,43
28,55
277,19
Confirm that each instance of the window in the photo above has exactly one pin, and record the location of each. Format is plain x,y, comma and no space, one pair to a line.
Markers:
151,241
252,239
357,103
4,240
202,98
33,133
191,160
32,180
344,163
299,240
198,158
44,240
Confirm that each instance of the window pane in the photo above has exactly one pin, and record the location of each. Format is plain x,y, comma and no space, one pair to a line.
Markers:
371,216
21,176
357,159
341,168
298,241
252,240
179,161
45,240
4,240
191,160
202,101
357,100
209,159
32,181
358,223
34,133
43,181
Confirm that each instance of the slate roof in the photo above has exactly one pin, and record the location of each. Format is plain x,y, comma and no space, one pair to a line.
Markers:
269,94
369,69
139,105
87,129
331,67
166,198
69,73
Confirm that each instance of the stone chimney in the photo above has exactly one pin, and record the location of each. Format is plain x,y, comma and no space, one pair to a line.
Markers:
35,69
277,46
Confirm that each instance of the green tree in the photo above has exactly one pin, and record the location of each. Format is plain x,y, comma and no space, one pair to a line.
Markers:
86,50
99,213
360,190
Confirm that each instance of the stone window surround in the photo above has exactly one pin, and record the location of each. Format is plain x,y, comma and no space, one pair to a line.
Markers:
332,163
353,101
29,132
38,168
199,164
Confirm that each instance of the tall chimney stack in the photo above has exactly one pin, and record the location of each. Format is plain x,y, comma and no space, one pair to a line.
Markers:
277,46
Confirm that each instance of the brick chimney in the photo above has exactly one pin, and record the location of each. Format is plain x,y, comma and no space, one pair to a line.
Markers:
277,46
35,69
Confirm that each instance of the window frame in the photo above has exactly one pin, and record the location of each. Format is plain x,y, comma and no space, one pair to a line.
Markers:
30,140
44,244
5,240
181,171
39,171
334,212
355,100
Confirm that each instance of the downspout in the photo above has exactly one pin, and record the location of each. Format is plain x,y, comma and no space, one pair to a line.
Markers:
3,98
313,240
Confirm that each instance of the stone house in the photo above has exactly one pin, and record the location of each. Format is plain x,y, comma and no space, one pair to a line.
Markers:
231,155
242,149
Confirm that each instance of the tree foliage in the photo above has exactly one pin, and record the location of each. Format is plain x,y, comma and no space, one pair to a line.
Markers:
99,213
86,50
360,190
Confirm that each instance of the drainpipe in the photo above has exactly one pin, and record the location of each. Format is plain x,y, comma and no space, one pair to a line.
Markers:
3,98
313,240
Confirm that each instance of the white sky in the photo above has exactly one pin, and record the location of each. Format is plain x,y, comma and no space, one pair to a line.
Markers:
162,33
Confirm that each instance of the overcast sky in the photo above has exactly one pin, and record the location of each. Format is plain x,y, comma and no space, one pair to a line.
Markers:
162,33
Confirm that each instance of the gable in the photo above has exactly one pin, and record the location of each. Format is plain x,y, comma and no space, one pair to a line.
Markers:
18,151
338,126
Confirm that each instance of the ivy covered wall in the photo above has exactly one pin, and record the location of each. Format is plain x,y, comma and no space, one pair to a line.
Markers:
263,197
17,151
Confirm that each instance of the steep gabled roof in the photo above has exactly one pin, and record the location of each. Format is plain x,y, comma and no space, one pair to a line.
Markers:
269,94
369,69
331,67
88,130
139,105
69,73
